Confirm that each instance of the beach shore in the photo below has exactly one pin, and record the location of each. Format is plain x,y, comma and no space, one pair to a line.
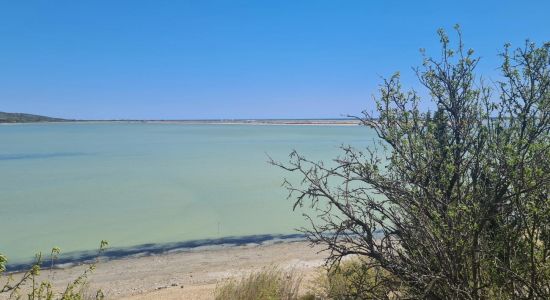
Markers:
191,274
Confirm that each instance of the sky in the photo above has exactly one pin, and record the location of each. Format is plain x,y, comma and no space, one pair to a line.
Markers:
235,59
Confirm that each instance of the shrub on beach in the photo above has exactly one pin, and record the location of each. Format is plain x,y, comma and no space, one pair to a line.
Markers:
354,279
268,284
452,201
35,289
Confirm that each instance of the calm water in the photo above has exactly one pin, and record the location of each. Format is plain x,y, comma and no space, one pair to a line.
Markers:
71,185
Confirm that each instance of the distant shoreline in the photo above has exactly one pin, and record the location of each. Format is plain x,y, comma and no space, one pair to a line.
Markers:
24,118
294,122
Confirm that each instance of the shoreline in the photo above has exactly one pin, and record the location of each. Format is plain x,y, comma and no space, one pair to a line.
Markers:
285,122
70,259
190,274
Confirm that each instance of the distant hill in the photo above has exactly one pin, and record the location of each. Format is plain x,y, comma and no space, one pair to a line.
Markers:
26,118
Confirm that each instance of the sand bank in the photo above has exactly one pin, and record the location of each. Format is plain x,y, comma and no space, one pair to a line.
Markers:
191,274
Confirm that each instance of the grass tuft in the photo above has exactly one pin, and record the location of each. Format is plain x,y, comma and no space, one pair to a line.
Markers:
268,284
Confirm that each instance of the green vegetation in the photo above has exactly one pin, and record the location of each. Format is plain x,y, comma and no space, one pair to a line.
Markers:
353,279
268,284
452,203
25,118
349,280
43,290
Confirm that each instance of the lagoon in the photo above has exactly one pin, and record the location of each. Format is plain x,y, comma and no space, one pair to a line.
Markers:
73,184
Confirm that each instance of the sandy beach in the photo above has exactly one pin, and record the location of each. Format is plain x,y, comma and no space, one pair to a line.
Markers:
191,274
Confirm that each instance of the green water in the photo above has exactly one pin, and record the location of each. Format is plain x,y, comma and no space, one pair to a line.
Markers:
72,185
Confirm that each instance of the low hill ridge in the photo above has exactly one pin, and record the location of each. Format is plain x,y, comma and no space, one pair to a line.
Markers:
26,118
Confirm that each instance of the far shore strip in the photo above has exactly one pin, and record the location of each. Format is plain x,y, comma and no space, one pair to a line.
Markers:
209,122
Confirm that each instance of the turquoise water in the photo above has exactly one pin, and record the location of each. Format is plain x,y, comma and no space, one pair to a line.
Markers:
72,185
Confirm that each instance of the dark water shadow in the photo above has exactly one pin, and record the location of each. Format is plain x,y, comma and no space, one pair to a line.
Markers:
75,258
27,156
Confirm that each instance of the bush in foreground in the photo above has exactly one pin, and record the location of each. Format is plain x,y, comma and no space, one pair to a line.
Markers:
268,284
453,202
353,279
44,290
347,281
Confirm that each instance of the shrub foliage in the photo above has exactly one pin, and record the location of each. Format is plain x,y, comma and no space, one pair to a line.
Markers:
453,203
44,290
268,284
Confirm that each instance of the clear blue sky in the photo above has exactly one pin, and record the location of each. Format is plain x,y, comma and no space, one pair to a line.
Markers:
233,59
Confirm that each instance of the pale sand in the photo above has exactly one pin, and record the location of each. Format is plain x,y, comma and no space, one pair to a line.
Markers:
192,274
